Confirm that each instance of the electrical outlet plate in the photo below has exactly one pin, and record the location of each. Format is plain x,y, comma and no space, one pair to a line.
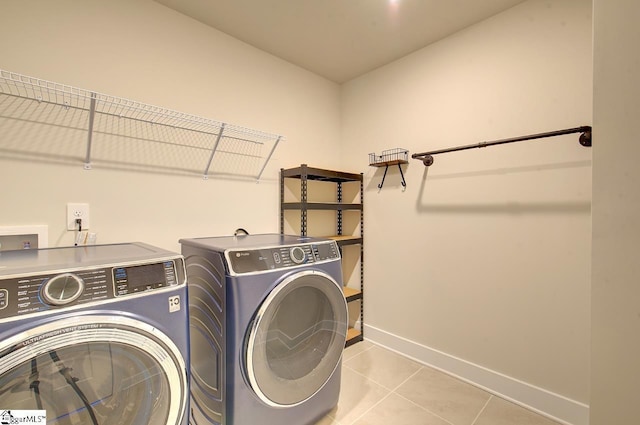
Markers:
77,211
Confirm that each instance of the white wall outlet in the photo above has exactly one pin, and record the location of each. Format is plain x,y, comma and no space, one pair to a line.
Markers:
75,212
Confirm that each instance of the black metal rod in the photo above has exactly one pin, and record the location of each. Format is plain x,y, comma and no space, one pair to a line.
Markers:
585,140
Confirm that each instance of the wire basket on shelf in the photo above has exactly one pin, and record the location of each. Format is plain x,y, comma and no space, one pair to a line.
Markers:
389,157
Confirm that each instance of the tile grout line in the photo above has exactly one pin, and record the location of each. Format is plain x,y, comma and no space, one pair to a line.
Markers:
368,378
371,408
414,403
335,421
393,391
405,381
482,410
364,350
427,366
425,409
389,392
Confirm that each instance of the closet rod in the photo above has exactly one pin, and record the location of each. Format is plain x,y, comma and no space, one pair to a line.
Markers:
585,140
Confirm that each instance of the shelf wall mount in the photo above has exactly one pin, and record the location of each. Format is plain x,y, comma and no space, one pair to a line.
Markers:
585,140
395,156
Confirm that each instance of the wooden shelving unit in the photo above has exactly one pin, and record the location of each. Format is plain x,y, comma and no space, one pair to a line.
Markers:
304,174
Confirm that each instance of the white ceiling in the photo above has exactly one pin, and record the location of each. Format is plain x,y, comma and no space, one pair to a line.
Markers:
339,39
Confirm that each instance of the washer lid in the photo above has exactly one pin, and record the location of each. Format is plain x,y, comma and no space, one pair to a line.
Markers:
42,260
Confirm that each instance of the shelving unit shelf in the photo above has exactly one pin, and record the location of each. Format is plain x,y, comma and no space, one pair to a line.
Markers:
346,239
320,206
351,294
119,132
304,174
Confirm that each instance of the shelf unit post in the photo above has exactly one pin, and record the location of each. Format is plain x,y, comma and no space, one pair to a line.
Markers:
303,198
339,213
281,201
362,257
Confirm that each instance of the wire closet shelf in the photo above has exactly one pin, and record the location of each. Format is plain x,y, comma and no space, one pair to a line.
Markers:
118,131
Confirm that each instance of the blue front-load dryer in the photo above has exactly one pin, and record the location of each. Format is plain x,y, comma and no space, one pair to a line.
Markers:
95,335
268,324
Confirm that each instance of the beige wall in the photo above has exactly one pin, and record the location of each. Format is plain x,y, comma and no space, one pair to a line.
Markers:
486,255
141,50
616,208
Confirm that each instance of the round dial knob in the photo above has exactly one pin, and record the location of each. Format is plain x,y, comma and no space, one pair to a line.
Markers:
297,255
62,289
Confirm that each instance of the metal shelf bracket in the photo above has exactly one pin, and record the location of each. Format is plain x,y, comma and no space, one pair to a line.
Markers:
402,182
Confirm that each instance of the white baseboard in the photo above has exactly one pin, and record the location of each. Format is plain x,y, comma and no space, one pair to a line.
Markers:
551,405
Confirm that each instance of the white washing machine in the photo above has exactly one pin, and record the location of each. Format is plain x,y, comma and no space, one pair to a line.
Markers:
95,335
268,324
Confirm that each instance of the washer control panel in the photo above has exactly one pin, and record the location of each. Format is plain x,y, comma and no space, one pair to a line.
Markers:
34,293
281,257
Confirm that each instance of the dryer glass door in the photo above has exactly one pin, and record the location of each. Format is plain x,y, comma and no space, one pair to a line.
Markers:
94,370
296,340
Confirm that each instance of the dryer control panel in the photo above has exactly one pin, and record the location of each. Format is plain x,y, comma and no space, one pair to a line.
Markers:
242,261
145,277
42,292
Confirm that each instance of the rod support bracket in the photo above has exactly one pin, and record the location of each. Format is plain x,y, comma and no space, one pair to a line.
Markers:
585,138
427,160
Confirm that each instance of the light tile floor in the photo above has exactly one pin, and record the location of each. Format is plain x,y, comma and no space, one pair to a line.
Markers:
380,387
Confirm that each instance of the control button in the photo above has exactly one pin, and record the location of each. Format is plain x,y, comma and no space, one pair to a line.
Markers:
276,257
4,298
62,289
297,255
